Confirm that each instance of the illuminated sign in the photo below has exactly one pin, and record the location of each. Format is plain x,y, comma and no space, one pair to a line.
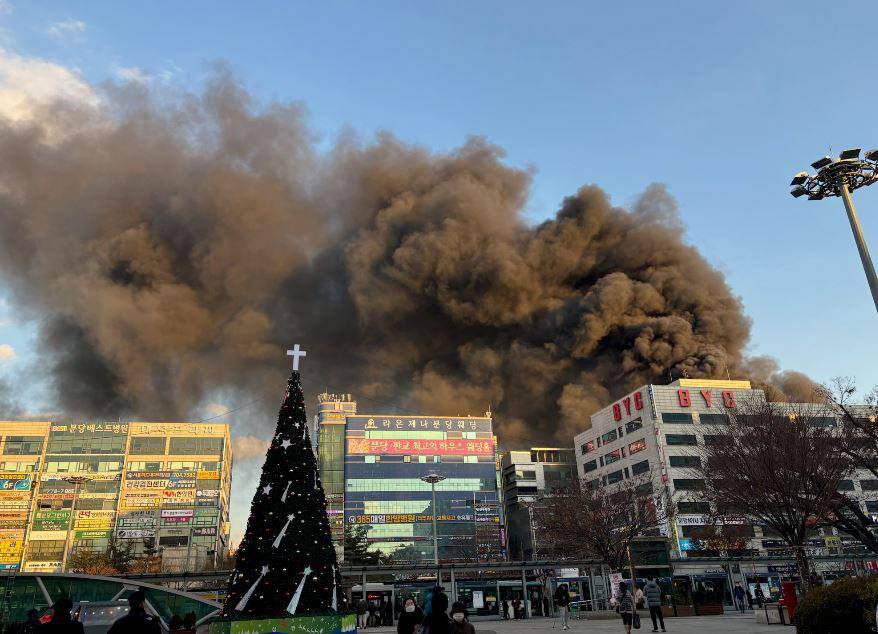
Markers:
163,429
208,475
406,518
414,446
204,531
178,495
147,475
43,566
419,423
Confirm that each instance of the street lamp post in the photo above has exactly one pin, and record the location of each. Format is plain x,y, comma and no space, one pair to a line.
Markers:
432,479
76,481
839,177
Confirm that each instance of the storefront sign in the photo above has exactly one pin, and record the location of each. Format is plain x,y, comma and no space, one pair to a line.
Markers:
50,535
95,519
684,398
42,566
16,481
176,520
208,475
102,477
166,513
134,485
147,475
704,520
91,428
51,520
628,405
207,493
178,495
403,518
105,534
135,533
414,446
165,429
204,531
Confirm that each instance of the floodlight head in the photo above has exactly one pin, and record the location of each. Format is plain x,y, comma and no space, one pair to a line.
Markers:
821,163
798,190
815,196
872,155
799,178
849,155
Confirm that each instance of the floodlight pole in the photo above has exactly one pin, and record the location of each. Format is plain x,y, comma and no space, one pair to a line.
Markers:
868,267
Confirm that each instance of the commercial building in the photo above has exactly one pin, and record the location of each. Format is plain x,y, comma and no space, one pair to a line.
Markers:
386,457
657,430
332,412
65,488
528,477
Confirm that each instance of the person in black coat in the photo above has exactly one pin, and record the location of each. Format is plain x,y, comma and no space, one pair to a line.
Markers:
61,622
437,620
410,618
137,621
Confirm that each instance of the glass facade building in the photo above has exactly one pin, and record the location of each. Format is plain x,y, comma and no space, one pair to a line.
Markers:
332,410
160,487
385,459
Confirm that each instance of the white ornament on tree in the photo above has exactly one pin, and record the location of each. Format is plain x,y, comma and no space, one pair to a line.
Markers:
294,602
283,531
243,602
283,498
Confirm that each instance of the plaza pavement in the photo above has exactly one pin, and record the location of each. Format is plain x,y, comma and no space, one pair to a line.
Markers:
726,624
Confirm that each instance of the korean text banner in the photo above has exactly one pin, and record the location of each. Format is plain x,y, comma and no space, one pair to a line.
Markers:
414,446
15,482
418,423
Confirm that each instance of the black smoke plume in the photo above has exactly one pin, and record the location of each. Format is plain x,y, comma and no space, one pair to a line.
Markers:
175,246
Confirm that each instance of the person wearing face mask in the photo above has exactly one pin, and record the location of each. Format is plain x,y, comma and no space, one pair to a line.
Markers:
459,620
410,617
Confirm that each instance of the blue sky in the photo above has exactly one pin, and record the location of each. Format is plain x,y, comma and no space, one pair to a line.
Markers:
722,102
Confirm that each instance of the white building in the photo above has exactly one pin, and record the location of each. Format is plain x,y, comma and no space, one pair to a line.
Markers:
657,429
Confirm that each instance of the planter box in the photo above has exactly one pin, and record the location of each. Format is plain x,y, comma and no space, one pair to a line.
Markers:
684,610
708,610
335,623
668,610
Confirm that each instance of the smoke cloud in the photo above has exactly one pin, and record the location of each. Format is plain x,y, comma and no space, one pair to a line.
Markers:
176,245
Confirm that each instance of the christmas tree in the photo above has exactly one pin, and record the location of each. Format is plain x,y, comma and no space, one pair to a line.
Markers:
286,562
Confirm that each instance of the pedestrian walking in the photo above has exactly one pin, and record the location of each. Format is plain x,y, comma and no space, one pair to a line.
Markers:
653,592
362,613
625,607
562,600
460,620
61,622
516,608
410,618
32,623
739,597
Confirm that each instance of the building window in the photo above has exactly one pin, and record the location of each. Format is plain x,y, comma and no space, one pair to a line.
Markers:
590,466
672,417
688,484
822,421
636,446
869,485
23,445
684,461
46,550
610,436
872,506
369,459
614,477
699,508
612,457
845,485
713,419
640,467
681,439
196,446
141,446
409,458
587,447
633,426
141,465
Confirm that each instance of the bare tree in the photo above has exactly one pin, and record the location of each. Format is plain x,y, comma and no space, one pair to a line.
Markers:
601,522
857,438
777,464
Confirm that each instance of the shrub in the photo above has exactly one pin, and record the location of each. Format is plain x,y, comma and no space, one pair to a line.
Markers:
845,607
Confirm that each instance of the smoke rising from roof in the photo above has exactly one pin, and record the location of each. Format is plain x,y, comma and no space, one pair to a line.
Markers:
178,245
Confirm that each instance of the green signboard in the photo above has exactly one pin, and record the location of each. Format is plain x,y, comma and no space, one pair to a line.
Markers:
51,520
93,534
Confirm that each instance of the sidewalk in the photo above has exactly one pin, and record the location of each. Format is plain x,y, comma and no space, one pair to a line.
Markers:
726,624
